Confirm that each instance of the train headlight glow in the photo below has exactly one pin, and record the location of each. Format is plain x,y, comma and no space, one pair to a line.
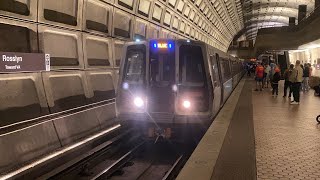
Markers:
186,104
138,102
175,88
125,85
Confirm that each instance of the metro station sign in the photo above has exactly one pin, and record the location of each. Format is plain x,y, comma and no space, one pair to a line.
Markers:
24,62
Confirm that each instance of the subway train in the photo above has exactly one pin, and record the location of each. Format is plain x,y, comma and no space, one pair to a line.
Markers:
172,88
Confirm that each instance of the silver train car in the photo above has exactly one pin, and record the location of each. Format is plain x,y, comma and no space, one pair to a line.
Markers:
173,88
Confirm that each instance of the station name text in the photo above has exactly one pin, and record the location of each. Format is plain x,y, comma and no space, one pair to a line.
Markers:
11,58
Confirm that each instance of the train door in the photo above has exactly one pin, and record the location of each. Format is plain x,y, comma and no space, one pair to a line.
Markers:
161,78
216,79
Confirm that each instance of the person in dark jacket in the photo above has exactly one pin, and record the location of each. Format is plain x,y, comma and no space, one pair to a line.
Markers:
287,83
306,75
275,82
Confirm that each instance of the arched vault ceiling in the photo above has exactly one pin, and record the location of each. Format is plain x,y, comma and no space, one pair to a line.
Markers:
270,13
288,12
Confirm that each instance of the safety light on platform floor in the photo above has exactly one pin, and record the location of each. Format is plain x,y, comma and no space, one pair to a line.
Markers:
138,102
186,104
188,40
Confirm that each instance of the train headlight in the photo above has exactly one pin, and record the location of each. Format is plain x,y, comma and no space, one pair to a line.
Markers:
186,104
138,102
125,85
175,88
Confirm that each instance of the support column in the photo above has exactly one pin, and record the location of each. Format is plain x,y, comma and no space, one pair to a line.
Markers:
292,21
316,3
302,12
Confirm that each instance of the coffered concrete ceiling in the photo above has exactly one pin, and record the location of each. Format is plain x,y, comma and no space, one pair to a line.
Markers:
270,13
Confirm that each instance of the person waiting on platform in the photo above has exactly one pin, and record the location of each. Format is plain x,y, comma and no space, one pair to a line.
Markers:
306,75
287,83
259,76
267,70
296,79
275,82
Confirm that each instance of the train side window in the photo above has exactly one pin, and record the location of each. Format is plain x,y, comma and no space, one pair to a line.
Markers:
225,69
144,7
135,64
191,66
235,68
215,71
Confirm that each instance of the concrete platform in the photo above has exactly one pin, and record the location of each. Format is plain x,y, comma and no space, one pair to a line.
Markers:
257,136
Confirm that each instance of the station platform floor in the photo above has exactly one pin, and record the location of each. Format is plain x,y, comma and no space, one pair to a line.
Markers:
257,136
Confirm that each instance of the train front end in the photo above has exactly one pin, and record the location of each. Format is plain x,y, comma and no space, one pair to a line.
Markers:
164,89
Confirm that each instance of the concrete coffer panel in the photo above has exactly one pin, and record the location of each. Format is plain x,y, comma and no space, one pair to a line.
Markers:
106,114
21,146
76,126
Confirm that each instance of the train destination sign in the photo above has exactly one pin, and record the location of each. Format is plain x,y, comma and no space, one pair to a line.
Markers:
24,62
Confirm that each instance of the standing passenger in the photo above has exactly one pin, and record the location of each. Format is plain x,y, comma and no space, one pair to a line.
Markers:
267,72
248,70
296,79
287,83
306,74
275,82
259,76
310,70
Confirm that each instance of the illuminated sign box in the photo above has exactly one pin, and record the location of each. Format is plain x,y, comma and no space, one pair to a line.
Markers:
162,45
23,62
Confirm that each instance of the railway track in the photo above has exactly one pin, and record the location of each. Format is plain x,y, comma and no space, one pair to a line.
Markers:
153,161
130,157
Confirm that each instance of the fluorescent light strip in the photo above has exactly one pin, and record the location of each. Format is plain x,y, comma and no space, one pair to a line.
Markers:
46,158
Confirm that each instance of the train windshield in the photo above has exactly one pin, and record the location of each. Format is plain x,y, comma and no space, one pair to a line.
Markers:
191,66
135,64
162,68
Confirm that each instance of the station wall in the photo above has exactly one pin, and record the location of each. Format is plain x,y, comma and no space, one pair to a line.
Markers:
84,39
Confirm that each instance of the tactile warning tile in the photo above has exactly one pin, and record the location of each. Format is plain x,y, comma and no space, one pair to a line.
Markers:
287,137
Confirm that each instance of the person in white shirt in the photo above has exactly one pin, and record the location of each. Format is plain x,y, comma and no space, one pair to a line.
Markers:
296,80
